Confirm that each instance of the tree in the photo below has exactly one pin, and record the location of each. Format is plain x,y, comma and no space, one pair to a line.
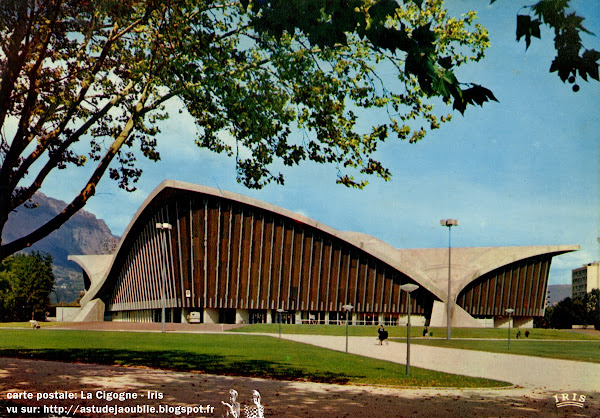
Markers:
579,311
592,306
563,315
572,59
85,81
26,281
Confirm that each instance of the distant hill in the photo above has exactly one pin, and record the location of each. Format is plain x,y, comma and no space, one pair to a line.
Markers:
557,292
82,234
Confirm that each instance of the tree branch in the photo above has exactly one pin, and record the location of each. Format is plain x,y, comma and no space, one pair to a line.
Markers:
84,195
55,158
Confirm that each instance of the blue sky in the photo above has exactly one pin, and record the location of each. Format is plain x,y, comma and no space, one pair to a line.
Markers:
524,171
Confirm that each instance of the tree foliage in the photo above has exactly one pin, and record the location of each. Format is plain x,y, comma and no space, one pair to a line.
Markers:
88,82
26,281
572,59
577,311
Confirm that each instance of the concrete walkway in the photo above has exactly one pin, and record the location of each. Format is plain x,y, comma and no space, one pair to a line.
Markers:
530,372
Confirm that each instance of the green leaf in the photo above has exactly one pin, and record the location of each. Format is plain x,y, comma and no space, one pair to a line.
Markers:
527,28
589,63
474,95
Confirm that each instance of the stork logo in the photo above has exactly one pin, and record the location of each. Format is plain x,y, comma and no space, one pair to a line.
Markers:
569,399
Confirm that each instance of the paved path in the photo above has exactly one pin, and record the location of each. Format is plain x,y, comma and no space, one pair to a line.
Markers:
529,372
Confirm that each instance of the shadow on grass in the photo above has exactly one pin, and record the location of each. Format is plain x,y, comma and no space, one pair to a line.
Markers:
182,361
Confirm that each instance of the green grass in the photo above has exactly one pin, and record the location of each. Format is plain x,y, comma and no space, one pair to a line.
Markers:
246,355
588,351
416,331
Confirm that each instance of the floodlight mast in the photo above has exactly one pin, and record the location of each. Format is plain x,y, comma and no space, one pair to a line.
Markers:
348,308
449,223
408,288
509,311
166,227
280,312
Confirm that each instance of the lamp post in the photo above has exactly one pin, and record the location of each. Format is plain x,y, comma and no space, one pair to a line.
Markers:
509,311
59,302
449,223
163,227
280,312
347,309
408,288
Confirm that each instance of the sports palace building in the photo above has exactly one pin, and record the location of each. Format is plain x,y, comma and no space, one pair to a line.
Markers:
211,256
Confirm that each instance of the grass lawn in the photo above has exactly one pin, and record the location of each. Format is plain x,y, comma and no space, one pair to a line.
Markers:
242,355
417,331
588,351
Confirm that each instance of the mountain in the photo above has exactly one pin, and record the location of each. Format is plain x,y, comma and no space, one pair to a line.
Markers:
558,292
82,234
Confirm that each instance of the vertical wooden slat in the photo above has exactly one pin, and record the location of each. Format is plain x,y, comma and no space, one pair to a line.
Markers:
287,255
249,297
298,265
305,272
334,277
191,254
319,275
324,274
536,278
239,296
268,243
178,221
523,287
541,297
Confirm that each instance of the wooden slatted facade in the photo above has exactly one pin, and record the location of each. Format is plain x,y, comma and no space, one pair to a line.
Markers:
520,286
225,254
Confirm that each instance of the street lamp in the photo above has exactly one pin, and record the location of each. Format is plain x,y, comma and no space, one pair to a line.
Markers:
59,302
509,311
347,309
164,227
449,223
280,312
408,288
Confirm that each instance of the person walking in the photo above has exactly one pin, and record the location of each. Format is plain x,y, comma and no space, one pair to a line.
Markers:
383,334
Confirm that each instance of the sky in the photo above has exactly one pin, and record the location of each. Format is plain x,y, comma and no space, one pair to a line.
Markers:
523,171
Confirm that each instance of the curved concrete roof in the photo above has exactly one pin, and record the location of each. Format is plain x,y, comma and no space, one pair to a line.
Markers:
367,243
470,263
95,266
426,266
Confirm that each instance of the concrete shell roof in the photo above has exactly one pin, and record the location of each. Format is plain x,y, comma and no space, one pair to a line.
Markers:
95,266
425,266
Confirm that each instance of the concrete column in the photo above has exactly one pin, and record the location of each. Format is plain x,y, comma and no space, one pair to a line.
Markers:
502,322
211,316
184,314
269,317
523,322
242,316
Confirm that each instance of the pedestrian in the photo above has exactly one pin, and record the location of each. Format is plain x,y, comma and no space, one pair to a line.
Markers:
518,334
526,333
383,334
425,332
